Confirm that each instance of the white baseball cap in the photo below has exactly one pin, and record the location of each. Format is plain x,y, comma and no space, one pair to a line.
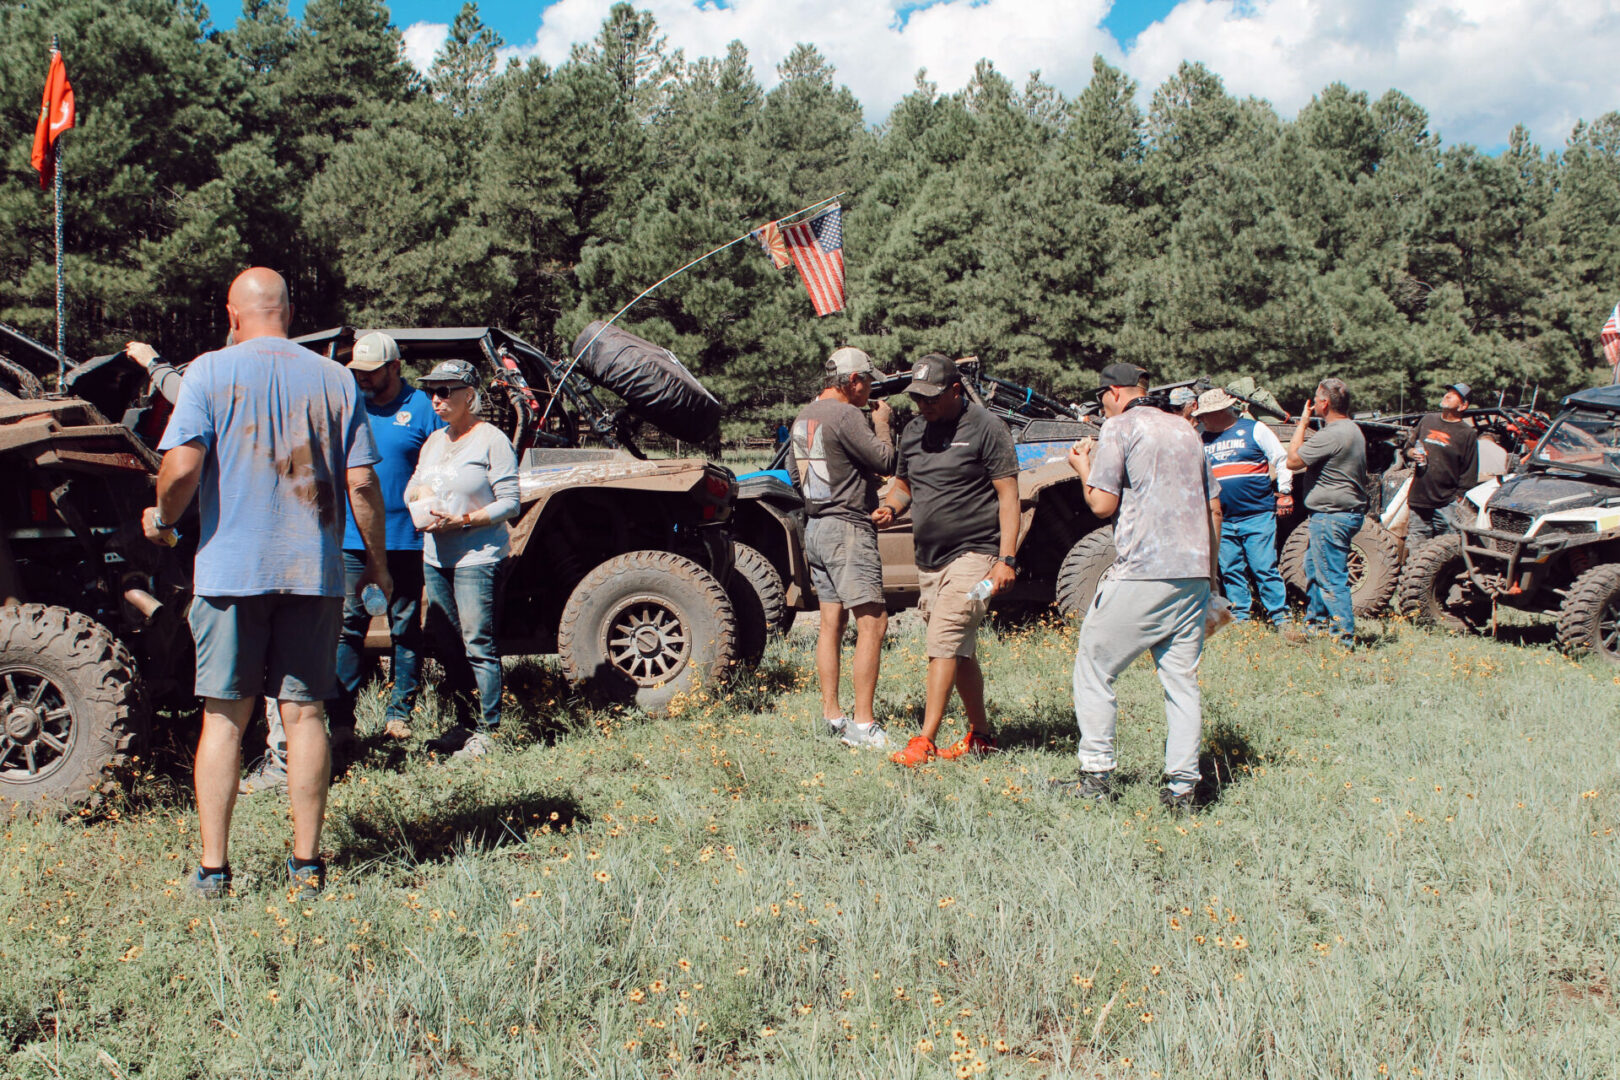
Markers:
375,350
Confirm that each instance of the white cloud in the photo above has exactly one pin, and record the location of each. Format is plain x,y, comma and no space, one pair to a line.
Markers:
1478,66
422,41
876,56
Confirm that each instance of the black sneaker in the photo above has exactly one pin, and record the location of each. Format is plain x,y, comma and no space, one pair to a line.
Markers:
306,880
1176,804
1096,786
215,885
452,740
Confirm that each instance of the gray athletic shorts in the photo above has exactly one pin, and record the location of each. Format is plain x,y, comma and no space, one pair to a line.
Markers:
845,567
278,646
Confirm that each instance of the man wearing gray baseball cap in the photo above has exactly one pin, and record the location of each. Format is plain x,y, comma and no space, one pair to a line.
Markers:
837,459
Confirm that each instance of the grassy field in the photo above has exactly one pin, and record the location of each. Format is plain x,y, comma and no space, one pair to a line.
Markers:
1407,866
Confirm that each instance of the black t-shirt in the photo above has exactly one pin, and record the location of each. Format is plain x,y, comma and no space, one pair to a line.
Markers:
1453,468
950,465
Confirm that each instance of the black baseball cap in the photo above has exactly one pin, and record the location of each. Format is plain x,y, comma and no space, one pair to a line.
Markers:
933,375
1120,374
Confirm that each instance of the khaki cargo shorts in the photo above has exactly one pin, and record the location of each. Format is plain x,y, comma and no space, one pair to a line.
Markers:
953,619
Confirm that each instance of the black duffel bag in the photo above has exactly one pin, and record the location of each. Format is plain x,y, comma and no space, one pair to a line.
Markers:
655,386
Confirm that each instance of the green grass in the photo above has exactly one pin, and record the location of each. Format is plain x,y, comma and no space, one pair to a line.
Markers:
1410,863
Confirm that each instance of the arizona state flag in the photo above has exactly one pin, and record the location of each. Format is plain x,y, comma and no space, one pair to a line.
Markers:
55,117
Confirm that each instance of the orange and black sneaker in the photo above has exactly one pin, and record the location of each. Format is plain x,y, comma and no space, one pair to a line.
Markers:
974,743
919,751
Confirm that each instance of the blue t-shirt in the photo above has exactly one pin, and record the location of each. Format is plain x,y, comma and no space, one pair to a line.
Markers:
281,426
399,429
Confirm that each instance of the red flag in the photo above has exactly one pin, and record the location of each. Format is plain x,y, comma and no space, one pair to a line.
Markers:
55,117
1610,336
817,247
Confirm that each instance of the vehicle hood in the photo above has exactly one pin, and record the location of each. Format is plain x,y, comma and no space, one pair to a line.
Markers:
1537,493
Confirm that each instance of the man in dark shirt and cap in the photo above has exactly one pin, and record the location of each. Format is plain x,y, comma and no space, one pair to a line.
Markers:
1444,452
958,463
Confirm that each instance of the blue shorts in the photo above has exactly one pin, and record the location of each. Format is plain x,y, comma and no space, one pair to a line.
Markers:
278,646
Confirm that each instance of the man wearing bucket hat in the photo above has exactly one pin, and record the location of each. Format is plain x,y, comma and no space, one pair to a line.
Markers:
958,462
837,460
1243,455
1444,452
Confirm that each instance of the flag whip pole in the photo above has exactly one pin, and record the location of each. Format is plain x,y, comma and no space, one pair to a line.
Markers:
61,336
639,296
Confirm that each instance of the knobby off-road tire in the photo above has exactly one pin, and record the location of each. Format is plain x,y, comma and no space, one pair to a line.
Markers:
1435,590
70,706
1589,620
757,598
645,626
1082,571
1375,565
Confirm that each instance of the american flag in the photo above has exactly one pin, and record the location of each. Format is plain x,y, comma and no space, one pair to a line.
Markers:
1610,336
817,248
770,239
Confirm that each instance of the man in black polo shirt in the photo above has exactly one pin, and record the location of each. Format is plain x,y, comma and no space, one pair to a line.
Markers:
958,462
1444,452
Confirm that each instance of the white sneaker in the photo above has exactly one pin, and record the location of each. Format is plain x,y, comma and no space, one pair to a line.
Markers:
868,736
269,773
477,745
836,724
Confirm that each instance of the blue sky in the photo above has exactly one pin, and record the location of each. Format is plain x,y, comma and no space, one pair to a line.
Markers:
1477,66
517,19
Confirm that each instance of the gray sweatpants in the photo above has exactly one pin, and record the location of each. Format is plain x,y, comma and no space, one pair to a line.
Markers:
1127,619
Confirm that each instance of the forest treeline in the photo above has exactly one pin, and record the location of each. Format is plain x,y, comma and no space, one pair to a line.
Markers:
1048,235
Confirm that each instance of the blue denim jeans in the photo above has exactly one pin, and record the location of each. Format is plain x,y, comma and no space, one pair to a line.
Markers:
1327,566
404,627
461,623
1249,546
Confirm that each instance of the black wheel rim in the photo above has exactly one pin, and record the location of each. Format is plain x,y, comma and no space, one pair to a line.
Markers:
646,641
1607,637
36,725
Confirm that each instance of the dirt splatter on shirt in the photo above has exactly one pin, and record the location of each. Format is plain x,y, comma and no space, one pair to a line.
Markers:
280,427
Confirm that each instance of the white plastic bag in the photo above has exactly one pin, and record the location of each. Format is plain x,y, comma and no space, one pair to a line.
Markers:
1217,613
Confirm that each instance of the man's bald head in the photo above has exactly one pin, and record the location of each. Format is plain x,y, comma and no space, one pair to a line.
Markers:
258,305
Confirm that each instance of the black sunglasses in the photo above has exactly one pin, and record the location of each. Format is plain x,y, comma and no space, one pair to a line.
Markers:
443,391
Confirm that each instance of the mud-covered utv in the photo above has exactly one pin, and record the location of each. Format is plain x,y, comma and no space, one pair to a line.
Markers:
1063,548
93,634
1544,540
619,563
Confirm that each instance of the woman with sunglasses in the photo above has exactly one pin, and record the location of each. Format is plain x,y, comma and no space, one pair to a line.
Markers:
463,492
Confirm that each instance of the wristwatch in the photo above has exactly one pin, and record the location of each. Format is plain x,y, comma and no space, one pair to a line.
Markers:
1009,561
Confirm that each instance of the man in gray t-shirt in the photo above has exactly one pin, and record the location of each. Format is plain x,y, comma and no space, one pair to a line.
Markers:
836,460
1149,467
1334,460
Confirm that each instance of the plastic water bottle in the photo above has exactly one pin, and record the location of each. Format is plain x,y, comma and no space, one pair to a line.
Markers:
374,600
981,592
